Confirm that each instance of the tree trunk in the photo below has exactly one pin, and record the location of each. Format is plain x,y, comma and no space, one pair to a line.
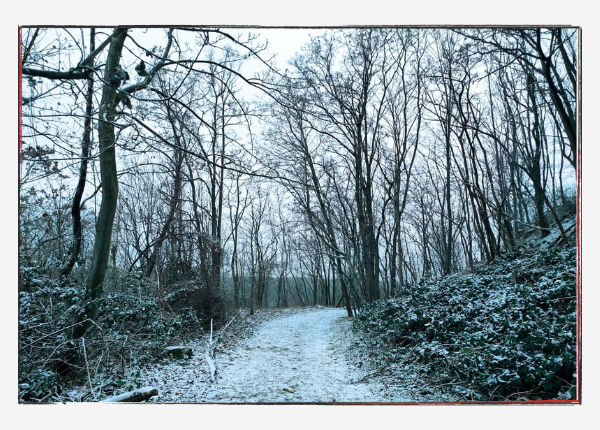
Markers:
448,239
110,189
178,158
85,153
569,122
534,168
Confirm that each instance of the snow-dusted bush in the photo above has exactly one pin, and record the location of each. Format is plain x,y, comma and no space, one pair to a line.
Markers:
506,331
133,326
46,311
207,304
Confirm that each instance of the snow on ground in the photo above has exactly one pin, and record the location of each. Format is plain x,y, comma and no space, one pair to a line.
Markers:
301,356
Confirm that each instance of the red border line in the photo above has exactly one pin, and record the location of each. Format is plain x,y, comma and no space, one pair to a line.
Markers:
20,106
462,402
578,232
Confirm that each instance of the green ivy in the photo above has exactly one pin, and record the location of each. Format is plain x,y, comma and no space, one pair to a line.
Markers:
506,328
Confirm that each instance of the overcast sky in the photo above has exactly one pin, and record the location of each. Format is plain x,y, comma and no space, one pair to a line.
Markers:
287,41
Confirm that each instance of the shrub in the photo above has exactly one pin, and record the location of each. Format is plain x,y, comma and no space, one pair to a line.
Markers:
504,331
132,326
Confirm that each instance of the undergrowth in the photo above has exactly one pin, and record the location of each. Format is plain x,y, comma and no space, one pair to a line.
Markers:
132,328
505,331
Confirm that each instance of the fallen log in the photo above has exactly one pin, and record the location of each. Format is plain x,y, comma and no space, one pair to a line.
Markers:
138,395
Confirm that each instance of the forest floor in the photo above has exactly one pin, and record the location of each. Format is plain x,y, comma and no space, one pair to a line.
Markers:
307,355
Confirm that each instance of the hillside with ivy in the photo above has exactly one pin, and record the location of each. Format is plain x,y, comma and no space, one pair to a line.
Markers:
503,331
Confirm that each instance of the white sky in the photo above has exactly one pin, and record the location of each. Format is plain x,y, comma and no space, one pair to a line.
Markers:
287,41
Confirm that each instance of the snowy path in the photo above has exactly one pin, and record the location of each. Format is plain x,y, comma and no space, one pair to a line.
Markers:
300,353
292,358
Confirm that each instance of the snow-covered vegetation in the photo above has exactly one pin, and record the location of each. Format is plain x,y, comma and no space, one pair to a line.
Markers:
133,328
503,331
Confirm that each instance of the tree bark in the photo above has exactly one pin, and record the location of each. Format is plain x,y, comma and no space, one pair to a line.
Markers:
85,153
178,159
568,121
110,188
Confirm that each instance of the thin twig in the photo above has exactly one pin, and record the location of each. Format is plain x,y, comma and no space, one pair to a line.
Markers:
87,367
226,325
520,393
55,332
209,361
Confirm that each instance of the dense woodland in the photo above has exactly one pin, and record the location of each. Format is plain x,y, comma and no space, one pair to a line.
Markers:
171,176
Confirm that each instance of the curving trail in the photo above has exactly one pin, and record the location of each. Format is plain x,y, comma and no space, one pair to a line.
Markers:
294,358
